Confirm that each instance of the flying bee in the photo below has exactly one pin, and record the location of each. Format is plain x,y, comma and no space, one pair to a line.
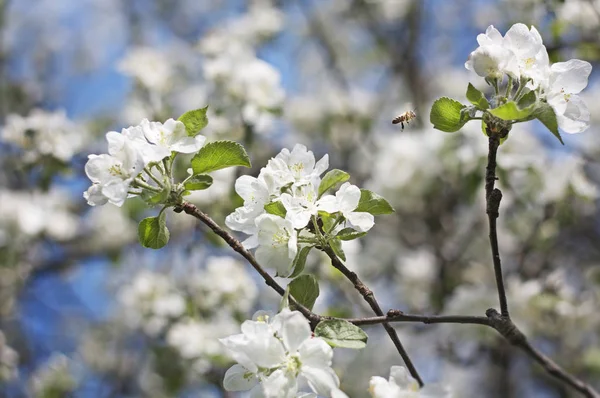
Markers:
404,118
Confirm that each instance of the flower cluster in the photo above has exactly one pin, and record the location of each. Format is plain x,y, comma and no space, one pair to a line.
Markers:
151,301
117,175
402,385
44,134
521,55
291,180
273,352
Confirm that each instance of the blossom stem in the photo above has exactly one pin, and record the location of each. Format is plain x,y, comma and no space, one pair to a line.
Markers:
519,90
139,183
509,86
153,177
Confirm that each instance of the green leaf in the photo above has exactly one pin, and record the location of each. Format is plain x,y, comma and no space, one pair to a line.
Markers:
336,246
194,121
477,98
300,261
349,234
331,179
372,203
153,232
510,111
328,221
342,334
446,115
154,198
305,289
198,182
219,155
545,114
527,100
277,208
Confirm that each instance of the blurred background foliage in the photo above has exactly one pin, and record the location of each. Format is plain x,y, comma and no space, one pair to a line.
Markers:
86,312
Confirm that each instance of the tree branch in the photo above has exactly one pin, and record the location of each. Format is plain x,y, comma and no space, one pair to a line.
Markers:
492,198
236,245
370,299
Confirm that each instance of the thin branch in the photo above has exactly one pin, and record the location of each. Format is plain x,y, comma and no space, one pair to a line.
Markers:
505,326
399,316
493,197
236,245
369,297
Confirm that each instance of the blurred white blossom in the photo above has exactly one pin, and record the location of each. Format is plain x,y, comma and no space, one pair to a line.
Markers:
44,133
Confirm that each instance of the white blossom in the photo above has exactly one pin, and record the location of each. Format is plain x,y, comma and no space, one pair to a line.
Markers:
277,243
112,174
150,67
566,80
272,356
44,133
346,201
402,385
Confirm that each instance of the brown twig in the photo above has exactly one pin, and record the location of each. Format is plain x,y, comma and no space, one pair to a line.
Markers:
493,197
369,297
236,245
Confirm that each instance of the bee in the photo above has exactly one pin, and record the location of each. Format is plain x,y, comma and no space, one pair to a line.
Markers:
404,118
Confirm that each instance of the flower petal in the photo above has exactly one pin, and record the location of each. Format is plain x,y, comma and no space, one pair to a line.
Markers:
238,378
361,221
321,380
315,353
569,77
295,329
280,385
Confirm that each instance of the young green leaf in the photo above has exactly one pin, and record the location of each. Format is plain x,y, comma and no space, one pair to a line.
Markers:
545,114
477,98
328,220
305,289
300,261
342,334
198,182
446,115
527,100
510,111
154,198
277,208
332,179
372,203
219,155
349,234
194,121
336,246
153,232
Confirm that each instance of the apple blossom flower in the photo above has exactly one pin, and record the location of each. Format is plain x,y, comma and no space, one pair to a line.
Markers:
566,80
255,193
302,204
171,137
402,385
112,174
346,201
519,54
492,59
272,356
300,164
277,242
